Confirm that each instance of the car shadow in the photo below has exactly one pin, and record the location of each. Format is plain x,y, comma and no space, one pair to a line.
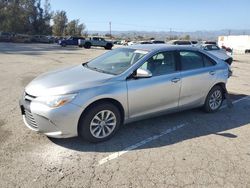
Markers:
35,48
39,48
197,123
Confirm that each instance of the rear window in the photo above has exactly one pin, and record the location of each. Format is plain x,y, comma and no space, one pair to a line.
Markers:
191,60
194,60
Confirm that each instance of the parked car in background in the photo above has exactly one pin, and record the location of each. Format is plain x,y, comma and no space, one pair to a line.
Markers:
5,37
144,42
117,42
20,38
95,41
209,42
218,52
94,99
157,42
180,42
52,39
42,39
125,42
194,42
131,43
70,41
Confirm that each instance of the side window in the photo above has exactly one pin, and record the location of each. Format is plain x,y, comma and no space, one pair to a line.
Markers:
208,61
160,64
190,60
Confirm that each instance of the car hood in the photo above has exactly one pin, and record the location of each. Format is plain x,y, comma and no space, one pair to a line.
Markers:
219,54
67,80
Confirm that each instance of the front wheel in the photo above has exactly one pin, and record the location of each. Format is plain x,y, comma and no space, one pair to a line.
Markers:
100,122
214,99
63,45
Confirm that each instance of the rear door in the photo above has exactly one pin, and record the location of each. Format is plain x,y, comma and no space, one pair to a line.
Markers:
198,75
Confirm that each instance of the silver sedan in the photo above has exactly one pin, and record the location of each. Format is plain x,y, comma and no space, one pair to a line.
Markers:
94,99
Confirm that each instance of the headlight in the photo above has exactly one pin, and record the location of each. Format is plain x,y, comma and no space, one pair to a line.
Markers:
56,101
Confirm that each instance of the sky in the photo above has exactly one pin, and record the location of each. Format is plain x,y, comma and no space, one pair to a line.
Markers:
158,15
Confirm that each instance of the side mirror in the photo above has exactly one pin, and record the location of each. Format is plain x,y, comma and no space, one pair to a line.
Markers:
142,73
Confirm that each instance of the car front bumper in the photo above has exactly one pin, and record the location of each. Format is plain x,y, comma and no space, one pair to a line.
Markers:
61,122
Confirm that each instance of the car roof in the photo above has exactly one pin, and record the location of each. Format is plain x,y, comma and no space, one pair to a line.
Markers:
159,47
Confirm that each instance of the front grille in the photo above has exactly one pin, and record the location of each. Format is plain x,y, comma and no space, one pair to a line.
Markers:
30,119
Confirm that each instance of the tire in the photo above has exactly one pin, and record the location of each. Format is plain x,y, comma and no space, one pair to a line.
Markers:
90,124
108,46
214,99
87,45
63,45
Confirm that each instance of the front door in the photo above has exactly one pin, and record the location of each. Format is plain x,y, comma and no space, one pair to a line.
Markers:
157,93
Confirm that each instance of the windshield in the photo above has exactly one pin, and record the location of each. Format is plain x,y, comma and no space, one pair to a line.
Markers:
116,61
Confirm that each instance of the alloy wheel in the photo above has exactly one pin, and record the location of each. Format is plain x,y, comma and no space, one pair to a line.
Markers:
103,124
215,100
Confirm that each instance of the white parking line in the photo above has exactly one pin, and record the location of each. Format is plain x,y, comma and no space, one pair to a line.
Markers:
236,101
150,139
143,142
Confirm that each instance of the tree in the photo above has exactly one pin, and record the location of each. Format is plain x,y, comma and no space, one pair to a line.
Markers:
74,28
47,16
24,16
186,37
11,18
80,29
60,21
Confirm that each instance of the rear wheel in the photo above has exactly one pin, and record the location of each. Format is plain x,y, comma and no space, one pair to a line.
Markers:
87,45
214,99
100,122
108,46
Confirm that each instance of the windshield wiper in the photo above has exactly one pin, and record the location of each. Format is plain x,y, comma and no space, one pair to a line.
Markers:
85,64
96,69
100,70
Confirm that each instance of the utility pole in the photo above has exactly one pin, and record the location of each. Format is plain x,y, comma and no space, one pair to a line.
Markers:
110,34
170,30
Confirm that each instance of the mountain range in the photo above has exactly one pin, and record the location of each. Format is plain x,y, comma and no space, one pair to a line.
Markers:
163,35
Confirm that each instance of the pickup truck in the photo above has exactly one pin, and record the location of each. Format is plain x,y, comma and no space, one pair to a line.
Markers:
95,41
70,41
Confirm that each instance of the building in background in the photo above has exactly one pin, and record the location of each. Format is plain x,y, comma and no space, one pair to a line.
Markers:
240,44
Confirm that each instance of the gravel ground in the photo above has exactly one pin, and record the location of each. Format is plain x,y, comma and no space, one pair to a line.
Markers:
209,150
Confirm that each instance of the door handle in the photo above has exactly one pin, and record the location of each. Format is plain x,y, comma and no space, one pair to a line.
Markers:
175,80
212,72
